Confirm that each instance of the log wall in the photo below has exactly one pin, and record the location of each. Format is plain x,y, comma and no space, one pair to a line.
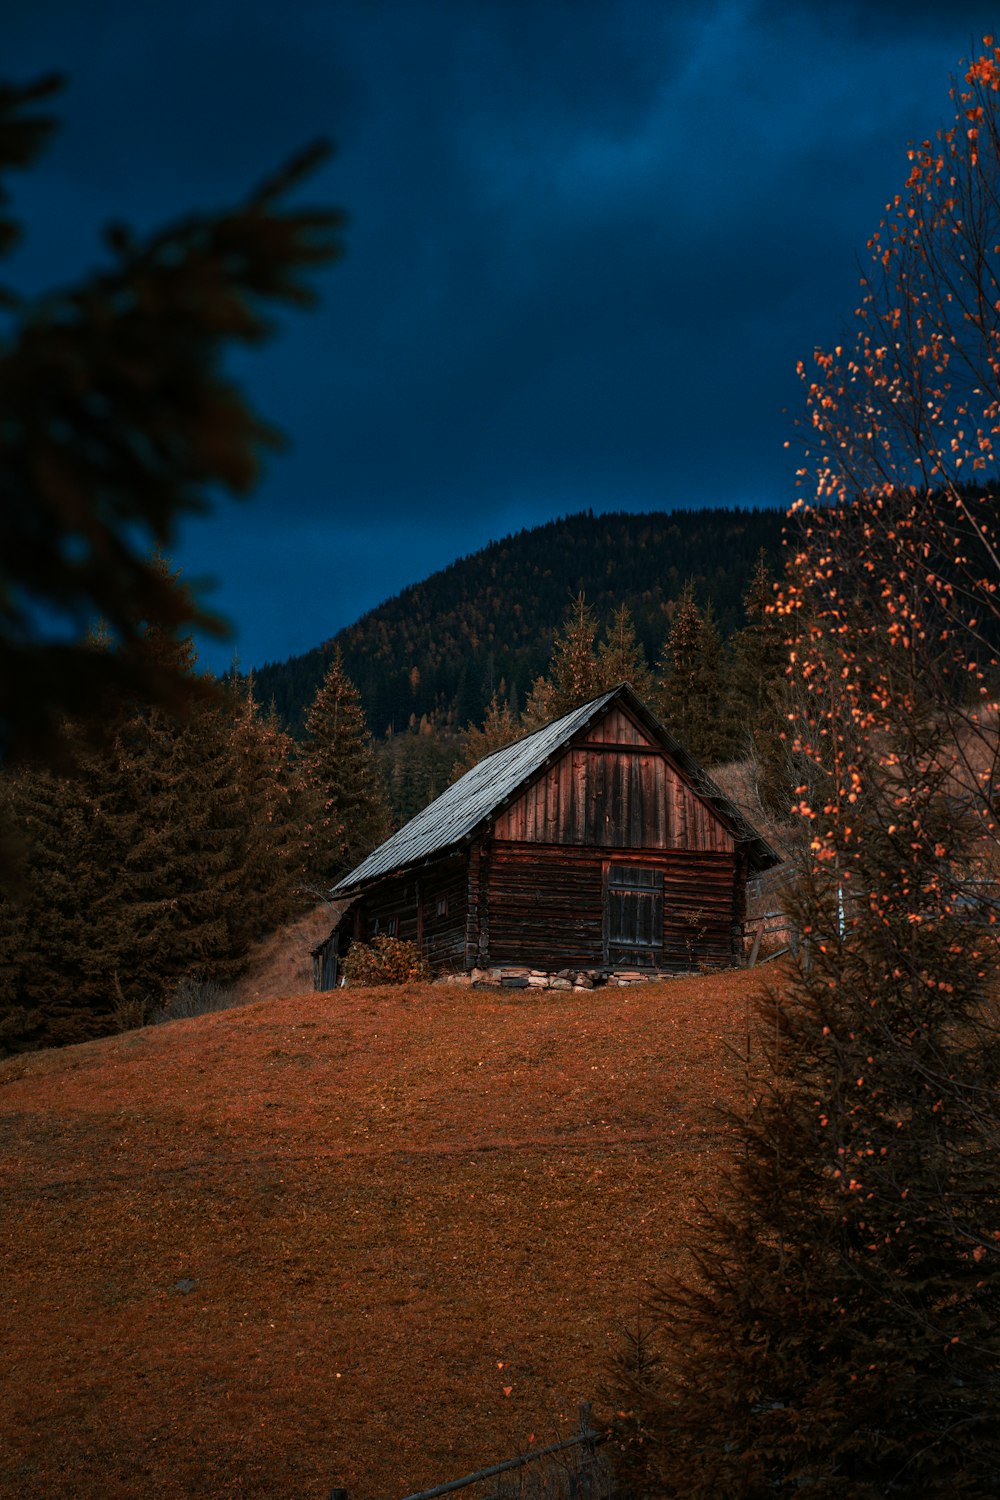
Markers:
701,895
548,906
413,900
544,906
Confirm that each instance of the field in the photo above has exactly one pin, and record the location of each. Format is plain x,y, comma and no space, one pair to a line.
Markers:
369,1239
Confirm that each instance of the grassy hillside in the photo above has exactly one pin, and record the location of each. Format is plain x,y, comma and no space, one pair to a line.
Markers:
310,1242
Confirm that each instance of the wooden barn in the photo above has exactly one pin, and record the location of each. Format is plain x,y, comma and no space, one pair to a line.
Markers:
596,842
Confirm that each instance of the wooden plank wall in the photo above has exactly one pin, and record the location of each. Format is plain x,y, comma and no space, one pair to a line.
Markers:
534,892
611,797
616,728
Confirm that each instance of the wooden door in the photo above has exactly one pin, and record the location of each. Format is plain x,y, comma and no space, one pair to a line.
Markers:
634,915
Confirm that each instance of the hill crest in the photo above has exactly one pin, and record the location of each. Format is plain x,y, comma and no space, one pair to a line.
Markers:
438,649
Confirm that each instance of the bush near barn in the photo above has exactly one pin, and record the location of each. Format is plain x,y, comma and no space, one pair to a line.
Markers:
385,960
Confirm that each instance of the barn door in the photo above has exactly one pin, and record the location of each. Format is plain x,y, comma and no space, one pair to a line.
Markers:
634,915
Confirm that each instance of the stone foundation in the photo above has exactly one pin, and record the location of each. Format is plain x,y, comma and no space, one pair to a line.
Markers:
518,978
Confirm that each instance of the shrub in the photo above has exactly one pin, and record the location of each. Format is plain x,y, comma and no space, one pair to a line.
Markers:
385,960
194,997
129,1015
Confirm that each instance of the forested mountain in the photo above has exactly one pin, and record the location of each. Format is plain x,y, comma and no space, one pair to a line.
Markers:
440,649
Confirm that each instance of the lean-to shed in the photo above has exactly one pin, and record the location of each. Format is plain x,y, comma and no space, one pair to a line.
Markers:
596,842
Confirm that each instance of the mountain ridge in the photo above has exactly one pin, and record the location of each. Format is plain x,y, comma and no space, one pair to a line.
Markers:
439,648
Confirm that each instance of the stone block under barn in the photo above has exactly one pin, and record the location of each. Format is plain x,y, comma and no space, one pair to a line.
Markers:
596,843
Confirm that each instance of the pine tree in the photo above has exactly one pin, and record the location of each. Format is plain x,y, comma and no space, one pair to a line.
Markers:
350,807
574,675
273,812
416,768
540,705
55,980
114,392
165,854
175,807
65,948
759,651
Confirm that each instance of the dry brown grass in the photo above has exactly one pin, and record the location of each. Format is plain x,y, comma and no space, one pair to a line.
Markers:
313,1242
736,779
282,964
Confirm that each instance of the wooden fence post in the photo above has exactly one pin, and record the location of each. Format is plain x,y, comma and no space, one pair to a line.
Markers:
581,1477
588,1451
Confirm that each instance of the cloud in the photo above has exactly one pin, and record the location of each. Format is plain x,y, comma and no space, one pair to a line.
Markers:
587,243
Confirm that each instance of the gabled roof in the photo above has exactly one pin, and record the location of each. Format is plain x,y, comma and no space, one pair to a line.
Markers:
471,801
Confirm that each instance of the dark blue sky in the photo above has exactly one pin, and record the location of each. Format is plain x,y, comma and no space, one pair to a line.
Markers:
588,241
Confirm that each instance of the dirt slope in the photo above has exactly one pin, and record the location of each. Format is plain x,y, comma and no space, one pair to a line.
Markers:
282,963
316,1241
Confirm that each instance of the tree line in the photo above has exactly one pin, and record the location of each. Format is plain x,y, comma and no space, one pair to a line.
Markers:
722,701
175,839
721,698
180,836
151,825
438,651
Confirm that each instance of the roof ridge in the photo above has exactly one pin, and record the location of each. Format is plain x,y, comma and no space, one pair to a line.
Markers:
471,800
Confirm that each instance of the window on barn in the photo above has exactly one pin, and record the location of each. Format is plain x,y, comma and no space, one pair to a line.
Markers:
442,906
635,914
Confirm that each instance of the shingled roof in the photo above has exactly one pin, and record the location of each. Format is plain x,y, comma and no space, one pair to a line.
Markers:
470,802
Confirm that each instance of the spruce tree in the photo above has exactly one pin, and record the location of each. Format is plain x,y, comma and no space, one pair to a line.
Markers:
272,815
416,768
349,801
168,851
55,974
499,728
539,707
621,658
760,691
573,670
574,674
114,393
760,653
65,935
689,692
176,809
